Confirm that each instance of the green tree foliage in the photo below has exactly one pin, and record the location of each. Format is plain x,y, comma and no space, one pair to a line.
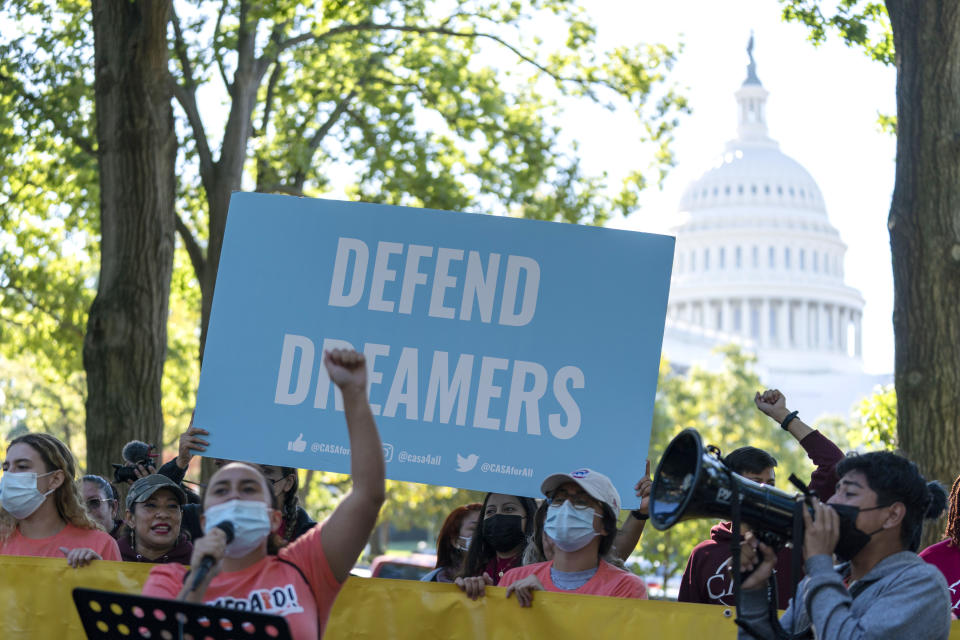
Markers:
400,97
48,221
33,397
450,105
719,405
862,24
876,417
414,102
859,23
408,504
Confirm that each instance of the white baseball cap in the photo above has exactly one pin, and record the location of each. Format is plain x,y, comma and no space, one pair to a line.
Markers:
593,482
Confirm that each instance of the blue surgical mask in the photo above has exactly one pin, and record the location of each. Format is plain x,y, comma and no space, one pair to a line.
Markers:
251,524
570,527
19,495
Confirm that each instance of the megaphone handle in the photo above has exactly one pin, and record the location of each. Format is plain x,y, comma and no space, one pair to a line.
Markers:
796,562
735,540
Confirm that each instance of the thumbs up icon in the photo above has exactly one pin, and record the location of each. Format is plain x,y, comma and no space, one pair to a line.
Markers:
297,445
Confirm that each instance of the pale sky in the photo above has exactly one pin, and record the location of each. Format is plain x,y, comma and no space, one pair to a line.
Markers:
822,110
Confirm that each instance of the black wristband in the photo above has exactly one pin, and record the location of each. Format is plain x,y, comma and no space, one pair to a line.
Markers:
786,421
639,515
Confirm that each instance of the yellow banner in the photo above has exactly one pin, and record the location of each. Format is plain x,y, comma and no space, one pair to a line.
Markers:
395,609
36,598
36,603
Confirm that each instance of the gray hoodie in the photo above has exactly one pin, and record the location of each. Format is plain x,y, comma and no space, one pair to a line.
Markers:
901,597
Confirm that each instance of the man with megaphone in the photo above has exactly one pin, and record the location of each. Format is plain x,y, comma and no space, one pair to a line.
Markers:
884,590
707,578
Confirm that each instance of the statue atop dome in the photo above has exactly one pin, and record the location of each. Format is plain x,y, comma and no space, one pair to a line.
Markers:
752,67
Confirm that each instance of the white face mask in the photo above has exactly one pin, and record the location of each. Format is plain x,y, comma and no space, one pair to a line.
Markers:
251,524
464,542
570,527
19,495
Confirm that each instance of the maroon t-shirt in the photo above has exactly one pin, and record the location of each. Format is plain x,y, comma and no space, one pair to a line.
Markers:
946,557
707,580
498,566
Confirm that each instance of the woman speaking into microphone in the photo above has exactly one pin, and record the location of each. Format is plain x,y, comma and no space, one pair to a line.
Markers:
251,571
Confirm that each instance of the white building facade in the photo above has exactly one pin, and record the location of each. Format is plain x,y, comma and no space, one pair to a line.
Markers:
758,263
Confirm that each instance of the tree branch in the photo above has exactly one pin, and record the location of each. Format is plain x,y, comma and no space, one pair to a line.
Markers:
373,26
243,94
268,101
300,176
193,248
188,102
332,119
34,303
14,87
180,46
246,41
271,53
265,119
216,46
186,95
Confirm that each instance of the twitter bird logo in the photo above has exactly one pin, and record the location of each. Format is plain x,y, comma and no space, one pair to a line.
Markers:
468,463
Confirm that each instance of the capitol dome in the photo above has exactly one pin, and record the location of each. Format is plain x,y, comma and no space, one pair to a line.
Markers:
749,175
757,260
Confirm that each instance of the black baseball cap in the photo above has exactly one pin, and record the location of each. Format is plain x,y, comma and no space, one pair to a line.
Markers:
143,488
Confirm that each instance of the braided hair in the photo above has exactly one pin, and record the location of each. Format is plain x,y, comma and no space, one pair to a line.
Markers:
952,531
290,504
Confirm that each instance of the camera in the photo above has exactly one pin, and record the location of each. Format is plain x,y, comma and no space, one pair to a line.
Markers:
134,452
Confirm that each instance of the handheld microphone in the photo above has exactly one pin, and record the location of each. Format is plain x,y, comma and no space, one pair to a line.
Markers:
206,564
136,451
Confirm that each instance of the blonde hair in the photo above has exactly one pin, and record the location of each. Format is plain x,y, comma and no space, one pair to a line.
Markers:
67,497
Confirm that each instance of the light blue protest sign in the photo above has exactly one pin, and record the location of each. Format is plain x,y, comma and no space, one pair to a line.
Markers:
499,350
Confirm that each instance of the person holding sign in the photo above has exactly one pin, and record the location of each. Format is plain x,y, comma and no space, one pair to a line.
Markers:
237,564
499,542
541,549
581,525
42,513
453,542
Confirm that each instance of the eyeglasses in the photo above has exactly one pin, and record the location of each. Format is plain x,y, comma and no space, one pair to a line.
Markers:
581,500
94,503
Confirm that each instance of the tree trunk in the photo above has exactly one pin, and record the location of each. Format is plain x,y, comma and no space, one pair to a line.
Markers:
227,178
379,539
125,344
217,204
924,229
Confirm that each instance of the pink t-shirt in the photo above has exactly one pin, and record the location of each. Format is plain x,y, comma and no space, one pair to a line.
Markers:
270,586
607,581
71,537
946,557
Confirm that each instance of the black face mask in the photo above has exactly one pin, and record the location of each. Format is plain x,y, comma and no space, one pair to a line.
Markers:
852,540
503,532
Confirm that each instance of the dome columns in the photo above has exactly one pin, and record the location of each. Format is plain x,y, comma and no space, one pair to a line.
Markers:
776,322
